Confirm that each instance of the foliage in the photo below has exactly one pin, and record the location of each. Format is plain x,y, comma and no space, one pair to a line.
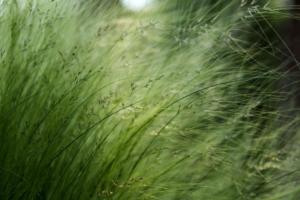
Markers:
179,102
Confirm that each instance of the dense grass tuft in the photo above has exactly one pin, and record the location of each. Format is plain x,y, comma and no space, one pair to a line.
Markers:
182,101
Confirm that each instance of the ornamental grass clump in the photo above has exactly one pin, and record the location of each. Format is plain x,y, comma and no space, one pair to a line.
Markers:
186,100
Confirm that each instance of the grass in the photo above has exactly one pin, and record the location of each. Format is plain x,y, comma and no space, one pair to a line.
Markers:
179,102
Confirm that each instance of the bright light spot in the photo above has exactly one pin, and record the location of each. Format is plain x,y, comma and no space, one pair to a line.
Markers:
136,5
